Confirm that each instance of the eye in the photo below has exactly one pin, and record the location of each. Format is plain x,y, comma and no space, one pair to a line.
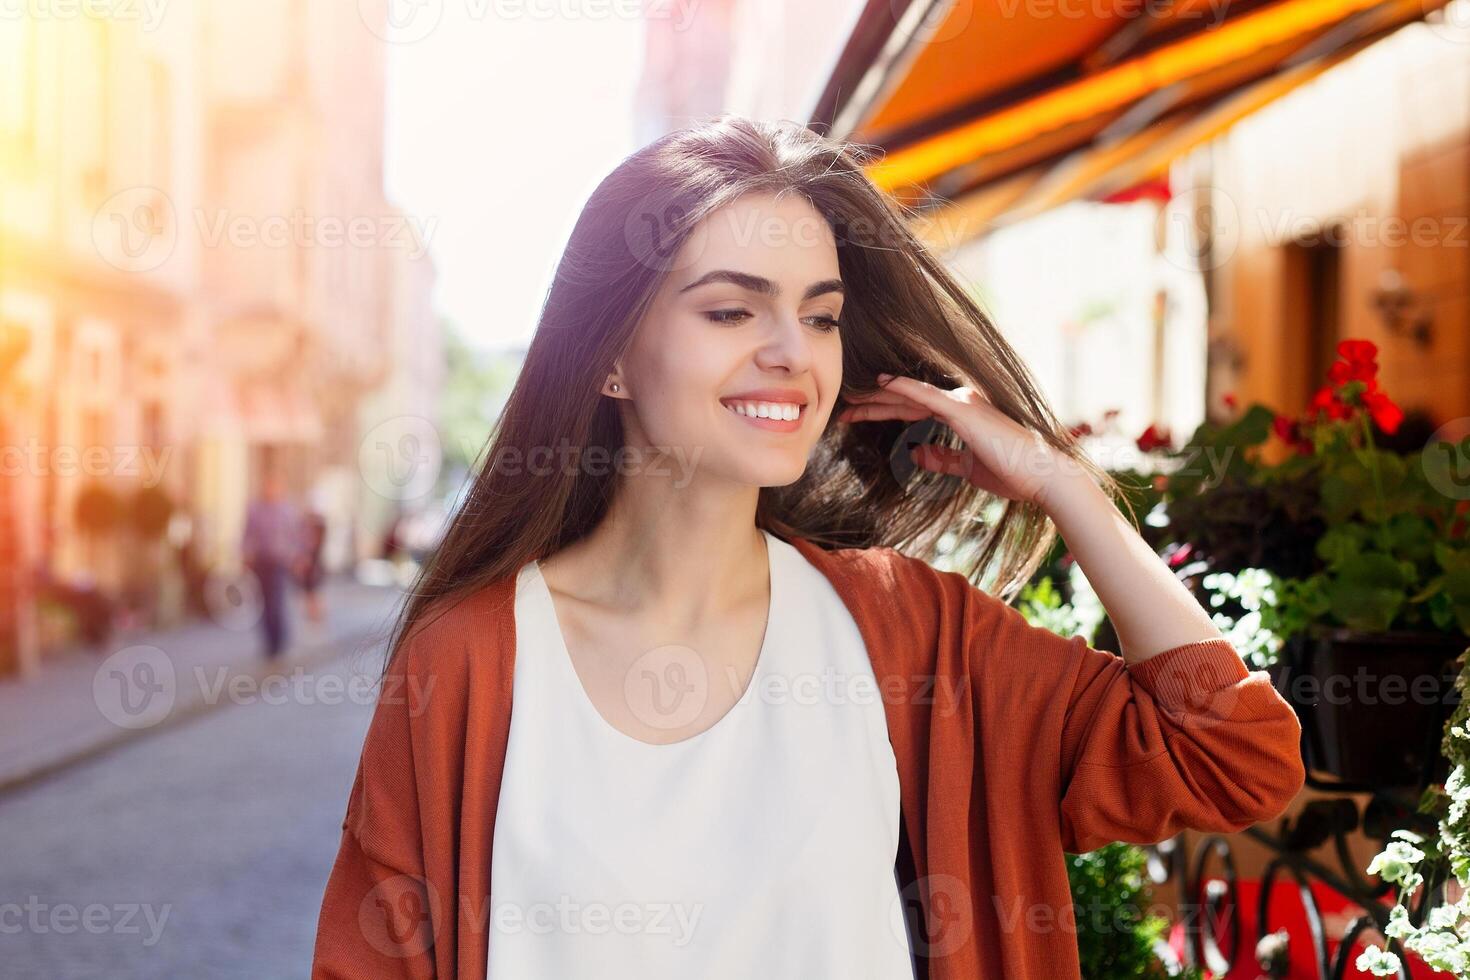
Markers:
826,324
726,316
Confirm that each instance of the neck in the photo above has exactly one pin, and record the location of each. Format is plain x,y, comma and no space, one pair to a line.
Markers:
677,554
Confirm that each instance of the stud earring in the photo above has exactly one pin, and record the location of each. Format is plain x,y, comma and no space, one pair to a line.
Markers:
615,386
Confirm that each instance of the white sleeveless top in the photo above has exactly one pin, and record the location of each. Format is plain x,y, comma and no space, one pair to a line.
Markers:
763,846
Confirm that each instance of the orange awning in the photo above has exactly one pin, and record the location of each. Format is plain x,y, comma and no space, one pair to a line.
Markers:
1000,105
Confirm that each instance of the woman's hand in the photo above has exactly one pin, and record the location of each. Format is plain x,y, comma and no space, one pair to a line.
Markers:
1150,607
1000,455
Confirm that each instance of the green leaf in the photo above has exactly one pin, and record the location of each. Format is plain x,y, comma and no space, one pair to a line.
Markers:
1457,591
1340,544
1367,591
1406,535
1343,491
1451,558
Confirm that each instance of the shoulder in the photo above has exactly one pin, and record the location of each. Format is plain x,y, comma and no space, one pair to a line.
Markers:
457,633
899,583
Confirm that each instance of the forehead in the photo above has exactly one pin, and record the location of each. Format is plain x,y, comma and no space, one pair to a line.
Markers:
783,238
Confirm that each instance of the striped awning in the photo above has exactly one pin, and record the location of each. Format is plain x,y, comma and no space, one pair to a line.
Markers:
991,110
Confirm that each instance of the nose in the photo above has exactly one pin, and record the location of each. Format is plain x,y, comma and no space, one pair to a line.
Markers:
786,346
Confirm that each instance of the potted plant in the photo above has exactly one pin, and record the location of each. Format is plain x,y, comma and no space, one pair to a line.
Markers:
1437,927
1350,562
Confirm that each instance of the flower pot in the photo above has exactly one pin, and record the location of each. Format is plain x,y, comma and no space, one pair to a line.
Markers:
1372,705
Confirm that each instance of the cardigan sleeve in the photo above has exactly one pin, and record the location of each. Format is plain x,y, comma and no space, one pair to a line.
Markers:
1188,738
378,910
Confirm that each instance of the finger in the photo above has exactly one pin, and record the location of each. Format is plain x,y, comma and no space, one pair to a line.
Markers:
872,413
881,398
917,389
877,396
942,459
941,402
959,462
890,399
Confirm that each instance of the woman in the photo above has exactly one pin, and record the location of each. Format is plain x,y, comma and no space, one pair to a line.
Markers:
750,735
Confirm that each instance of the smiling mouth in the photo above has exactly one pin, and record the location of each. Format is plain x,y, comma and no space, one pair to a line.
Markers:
779,416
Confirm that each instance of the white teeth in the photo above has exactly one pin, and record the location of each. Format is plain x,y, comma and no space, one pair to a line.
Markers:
766,410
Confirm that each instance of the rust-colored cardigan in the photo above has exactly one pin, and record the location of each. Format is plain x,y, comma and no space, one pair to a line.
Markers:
1013,746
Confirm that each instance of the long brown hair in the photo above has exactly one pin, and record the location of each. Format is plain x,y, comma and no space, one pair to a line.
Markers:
903,313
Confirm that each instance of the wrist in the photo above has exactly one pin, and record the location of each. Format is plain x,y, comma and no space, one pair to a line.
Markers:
1071,489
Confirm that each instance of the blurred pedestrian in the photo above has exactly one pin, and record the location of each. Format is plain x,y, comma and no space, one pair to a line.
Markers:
272,546
392,538
310,570
91,607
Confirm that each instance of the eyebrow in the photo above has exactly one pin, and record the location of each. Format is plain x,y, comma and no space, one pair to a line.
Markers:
762,285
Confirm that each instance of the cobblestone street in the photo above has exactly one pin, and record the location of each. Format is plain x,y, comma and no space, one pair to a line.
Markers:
197,851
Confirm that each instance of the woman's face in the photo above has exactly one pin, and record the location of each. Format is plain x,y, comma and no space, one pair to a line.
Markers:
739,360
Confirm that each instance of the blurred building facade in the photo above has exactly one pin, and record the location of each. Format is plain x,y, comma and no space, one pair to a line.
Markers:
199,277
767,59
400,455
1343,210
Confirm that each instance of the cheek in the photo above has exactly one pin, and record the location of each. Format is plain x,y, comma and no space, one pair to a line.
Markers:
828,367
678,384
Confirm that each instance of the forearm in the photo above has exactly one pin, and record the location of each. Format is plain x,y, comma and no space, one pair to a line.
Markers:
1150,608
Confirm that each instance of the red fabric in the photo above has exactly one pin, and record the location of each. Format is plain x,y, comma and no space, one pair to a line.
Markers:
1287,912
1156,189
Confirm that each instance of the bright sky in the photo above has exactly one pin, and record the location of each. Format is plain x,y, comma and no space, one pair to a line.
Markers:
498,130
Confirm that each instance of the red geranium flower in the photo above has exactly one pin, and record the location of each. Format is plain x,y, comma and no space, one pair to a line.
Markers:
1385,413
1325,400
1290,431
1154,437
1358,351
1358,361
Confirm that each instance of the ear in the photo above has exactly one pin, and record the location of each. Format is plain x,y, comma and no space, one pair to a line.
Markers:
615,377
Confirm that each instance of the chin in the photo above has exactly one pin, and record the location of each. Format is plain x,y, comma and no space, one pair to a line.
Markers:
774,470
